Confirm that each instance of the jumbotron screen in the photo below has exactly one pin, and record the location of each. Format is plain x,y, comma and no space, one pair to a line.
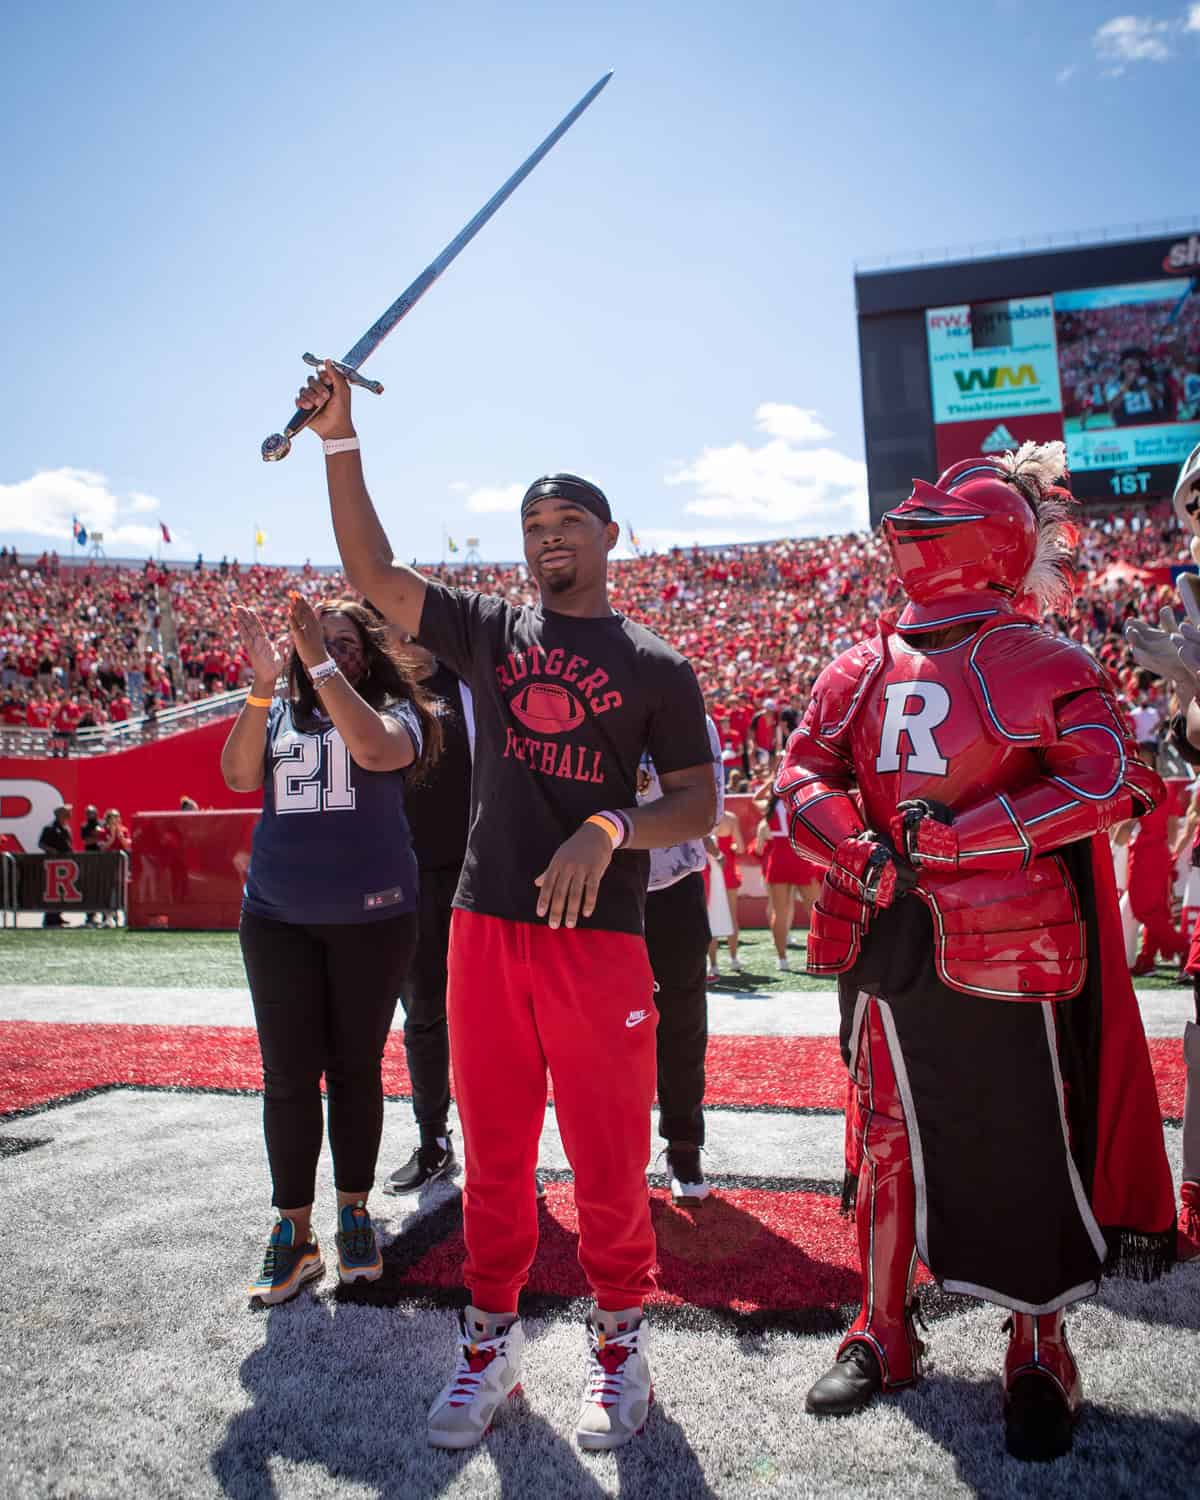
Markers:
1098,345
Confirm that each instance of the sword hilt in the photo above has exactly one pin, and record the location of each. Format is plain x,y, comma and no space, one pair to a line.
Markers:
347,372
279,444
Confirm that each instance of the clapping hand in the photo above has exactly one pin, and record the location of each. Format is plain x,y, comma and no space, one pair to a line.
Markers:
267,658
307,635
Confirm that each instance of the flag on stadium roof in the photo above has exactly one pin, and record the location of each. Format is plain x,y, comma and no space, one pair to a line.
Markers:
259,537
166,535
451,544
78,531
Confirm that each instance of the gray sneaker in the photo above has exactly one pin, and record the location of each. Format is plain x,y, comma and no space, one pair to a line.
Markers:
487,1374
618,1392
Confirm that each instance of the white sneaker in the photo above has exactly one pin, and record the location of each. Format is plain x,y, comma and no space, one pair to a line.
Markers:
618,1393
736,965
488,1372
782,965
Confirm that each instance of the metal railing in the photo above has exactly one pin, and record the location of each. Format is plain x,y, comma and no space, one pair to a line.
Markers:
106,898
106,738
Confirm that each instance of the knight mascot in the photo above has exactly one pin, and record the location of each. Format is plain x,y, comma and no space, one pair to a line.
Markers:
955,775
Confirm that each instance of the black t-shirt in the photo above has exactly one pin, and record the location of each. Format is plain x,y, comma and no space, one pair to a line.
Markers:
90,832
439,803
564,708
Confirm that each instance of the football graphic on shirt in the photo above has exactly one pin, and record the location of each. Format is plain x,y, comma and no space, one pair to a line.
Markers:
547,708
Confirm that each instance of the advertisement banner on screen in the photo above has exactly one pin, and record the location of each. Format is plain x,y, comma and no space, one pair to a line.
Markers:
956,441
992,359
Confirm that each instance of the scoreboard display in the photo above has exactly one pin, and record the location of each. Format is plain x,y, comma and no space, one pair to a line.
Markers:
1096,345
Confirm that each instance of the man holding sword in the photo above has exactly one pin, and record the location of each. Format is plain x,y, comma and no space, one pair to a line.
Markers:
547,967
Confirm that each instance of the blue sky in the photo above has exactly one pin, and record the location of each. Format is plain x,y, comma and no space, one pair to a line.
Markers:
194,195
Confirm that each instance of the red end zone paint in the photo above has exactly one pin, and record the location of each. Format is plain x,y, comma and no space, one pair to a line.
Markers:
43,1061
744,1249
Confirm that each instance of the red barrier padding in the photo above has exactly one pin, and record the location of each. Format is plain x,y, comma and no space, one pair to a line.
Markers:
189,868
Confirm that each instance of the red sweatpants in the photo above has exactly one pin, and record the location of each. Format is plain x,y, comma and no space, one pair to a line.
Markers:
522,998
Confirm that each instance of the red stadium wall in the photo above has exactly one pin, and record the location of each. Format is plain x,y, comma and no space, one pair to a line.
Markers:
146,778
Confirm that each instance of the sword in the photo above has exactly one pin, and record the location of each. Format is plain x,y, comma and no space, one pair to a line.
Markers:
279,444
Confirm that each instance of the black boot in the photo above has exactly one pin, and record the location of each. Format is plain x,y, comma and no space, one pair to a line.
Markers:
848,1385
430,1160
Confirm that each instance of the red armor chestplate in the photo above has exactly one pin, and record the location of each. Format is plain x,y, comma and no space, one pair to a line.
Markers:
1020,736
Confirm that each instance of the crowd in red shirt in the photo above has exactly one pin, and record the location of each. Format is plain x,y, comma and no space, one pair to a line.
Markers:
758,622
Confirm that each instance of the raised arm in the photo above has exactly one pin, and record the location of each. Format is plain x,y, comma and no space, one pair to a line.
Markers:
242,753
376,741
397,591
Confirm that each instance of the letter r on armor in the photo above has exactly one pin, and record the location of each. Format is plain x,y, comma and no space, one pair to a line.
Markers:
924,758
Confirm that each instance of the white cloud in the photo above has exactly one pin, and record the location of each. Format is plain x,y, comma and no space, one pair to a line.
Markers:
496,498
1130,39
778,487
1192,20
45,505
1064,75
797,424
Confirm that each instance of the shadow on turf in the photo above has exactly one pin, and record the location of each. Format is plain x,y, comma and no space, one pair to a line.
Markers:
326,1395
965,1417
1156,1302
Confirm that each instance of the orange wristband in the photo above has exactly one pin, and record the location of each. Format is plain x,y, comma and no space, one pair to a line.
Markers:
610,826
257,702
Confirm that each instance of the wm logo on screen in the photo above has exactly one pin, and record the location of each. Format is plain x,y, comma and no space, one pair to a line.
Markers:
996,378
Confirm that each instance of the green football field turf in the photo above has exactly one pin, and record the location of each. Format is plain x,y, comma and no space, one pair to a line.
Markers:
211,960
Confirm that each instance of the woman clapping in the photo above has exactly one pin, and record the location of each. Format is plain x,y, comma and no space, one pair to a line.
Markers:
328,921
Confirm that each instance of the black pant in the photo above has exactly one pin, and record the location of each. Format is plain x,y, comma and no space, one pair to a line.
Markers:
324,997
677,937
423,995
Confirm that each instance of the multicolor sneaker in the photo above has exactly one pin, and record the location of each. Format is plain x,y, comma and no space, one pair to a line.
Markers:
618,1393
286,1266
488,1372
358,1253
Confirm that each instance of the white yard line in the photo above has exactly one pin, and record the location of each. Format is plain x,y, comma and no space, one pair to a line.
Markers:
756,1013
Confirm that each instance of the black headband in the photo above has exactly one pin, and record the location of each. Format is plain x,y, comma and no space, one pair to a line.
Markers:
569,487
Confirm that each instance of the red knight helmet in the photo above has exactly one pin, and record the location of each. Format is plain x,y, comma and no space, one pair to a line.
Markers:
994,527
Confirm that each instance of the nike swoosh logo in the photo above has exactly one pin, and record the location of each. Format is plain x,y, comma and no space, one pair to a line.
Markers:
631,1021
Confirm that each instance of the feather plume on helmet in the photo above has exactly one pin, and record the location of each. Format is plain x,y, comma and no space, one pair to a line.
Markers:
1038,471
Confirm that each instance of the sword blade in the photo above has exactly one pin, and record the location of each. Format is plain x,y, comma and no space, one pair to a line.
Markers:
411,295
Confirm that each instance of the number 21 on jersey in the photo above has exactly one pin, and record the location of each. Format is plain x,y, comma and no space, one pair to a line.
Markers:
299,786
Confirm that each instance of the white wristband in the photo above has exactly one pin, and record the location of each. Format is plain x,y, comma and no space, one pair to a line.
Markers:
322,670
340,445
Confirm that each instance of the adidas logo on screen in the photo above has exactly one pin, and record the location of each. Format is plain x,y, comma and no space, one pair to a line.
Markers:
999,440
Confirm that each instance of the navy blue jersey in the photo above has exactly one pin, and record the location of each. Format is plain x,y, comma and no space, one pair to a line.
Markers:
333,843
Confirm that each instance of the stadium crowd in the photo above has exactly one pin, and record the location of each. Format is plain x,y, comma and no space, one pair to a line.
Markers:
92,643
